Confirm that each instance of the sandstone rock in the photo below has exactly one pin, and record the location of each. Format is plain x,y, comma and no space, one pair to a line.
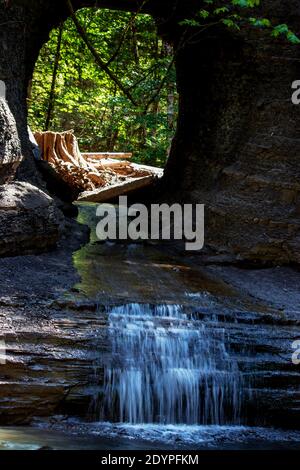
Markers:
236,148
10,147
29,220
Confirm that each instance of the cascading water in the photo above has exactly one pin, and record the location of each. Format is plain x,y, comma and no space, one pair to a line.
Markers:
168,368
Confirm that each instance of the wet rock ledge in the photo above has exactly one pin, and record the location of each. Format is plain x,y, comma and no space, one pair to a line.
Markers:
57,343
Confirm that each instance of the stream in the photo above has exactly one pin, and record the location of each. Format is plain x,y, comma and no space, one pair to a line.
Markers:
183,362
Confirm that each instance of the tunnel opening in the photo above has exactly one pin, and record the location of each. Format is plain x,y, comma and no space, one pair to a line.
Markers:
112,80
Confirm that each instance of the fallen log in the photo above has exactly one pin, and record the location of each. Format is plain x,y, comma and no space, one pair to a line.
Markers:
120,189
103,155
113,164
128,168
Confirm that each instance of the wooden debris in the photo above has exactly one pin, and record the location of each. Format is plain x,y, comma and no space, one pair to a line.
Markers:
111,192
99,156
101,173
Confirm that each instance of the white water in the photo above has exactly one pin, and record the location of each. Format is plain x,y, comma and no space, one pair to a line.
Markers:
168,368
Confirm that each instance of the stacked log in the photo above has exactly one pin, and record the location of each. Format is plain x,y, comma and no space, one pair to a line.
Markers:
101,155
84,172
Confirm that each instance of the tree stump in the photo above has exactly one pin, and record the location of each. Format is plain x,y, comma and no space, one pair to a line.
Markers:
61,151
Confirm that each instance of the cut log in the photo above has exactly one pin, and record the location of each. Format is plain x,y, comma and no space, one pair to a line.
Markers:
112,164
111,192
154,170
124,167
102,155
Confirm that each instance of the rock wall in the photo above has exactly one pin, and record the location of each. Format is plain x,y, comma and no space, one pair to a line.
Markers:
30,222
10,147
237,144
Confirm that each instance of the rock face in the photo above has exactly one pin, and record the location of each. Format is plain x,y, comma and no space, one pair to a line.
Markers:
55,352
237,143
10,147
240,158
56,345
53,369
29,220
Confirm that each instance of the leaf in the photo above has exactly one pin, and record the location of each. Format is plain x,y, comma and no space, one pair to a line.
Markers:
246,3
203,14
260,22
230,24
293,38
189,22
219,11
280,29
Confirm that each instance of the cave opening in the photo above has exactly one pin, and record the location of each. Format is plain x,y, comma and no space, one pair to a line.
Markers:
112,80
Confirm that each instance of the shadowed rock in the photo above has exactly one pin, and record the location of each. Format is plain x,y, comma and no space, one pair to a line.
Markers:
29,220
10,147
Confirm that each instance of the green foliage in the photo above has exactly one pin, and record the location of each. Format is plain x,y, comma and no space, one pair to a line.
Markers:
283,29
246,3
234,15
89,102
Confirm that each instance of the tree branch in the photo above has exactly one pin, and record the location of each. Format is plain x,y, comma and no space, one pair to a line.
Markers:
161,85
99,61
123,36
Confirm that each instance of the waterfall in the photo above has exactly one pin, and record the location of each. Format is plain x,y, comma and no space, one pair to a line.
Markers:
166,367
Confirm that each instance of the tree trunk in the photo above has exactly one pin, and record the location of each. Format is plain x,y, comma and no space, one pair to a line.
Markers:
50,110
